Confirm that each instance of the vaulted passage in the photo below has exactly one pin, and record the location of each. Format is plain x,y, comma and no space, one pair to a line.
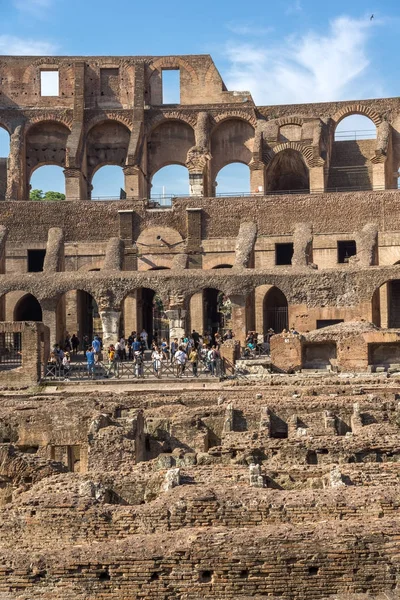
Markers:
275,311
28,309
288,172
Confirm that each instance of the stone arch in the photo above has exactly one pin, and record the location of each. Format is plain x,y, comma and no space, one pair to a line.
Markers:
167,117
107,143
174,62
49,117
305,151
353,109
215,262
275,310
232,140
28,308
288,171
289,121
242,115
155,263
107,116
46,143
169,144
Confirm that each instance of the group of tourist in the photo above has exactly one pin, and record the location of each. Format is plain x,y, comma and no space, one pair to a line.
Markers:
193,351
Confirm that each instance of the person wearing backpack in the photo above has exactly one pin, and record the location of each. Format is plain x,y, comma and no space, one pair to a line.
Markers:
112,363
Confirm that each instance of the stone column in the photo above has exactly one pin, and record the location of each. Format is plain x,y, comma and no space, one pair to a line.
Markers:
177,322
196,309
49,318
257,177
74,184
238,320
16,189
110,318
378,173
197,163
134,181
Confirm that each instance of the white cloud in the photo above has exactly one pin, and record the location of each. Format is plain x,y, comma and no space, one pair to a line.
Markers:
248,29
33,7
13,45
305,68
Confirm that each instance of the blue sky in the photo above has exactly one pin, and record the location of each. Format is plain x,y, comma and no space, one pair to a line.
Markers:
282,51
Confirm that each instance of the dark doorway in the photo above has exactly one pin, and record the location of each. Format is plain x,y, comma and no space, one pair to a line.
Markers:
275,311
393,288
321,323
283,254
217,311
36,260
154,319
89,322
28,309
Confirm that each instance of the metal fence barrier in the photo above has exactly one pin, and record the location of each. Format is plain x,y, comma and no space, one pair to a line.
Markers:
10,350
131,370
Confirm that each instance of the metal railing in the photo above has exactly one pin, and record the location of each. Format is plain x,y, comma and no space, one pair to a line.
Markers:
358,134
132,370
155,203
10,351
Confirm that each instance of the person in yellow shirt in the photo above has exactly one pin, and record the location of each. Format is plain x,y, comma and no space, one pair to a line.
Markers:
194,361
112,363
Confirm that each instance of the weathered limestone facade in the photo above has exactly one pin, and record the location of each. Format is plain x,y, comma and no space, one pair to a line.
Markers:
336,217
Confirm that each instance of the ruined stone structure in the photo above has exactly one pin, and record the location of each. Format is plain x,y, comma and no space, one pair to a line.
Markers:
308,258
289,489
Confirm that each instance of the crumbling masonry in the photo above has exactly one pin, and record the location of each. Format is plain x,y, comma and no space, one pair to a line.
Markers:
289,489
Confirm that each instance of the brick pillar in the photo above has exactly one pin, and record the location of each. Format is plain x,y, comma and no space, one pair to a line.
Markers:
238,320
75,185
196,311
378,176
49,318
317,179
257,178
130,314
134,182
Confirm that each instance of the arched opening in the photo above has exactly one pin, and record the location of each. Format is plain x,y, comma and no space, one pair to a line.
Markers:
232,141
169,181
108,183
275,309
355,127
354,144
47,183
28,309
4,152
46,144
152,317
78,313
217,312
288,172
107,144
233,179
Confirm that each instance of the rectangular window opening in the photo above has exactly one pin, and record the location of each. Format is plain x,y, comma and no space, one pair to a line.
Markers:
49,83
345,250
283,254
171,86
321,323
36,260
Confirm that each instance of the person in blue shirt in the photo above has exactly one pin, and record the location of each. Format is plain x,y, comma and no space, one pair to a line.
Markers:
96,345
90,357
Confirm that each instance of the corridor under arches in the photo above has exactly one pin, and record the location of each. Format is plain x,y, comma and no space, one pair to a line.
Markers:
275,311
28,309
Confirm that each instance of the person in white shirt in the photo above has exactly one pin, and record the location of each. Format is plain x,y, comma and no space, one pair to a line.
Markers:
144,335
180,358
157,357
